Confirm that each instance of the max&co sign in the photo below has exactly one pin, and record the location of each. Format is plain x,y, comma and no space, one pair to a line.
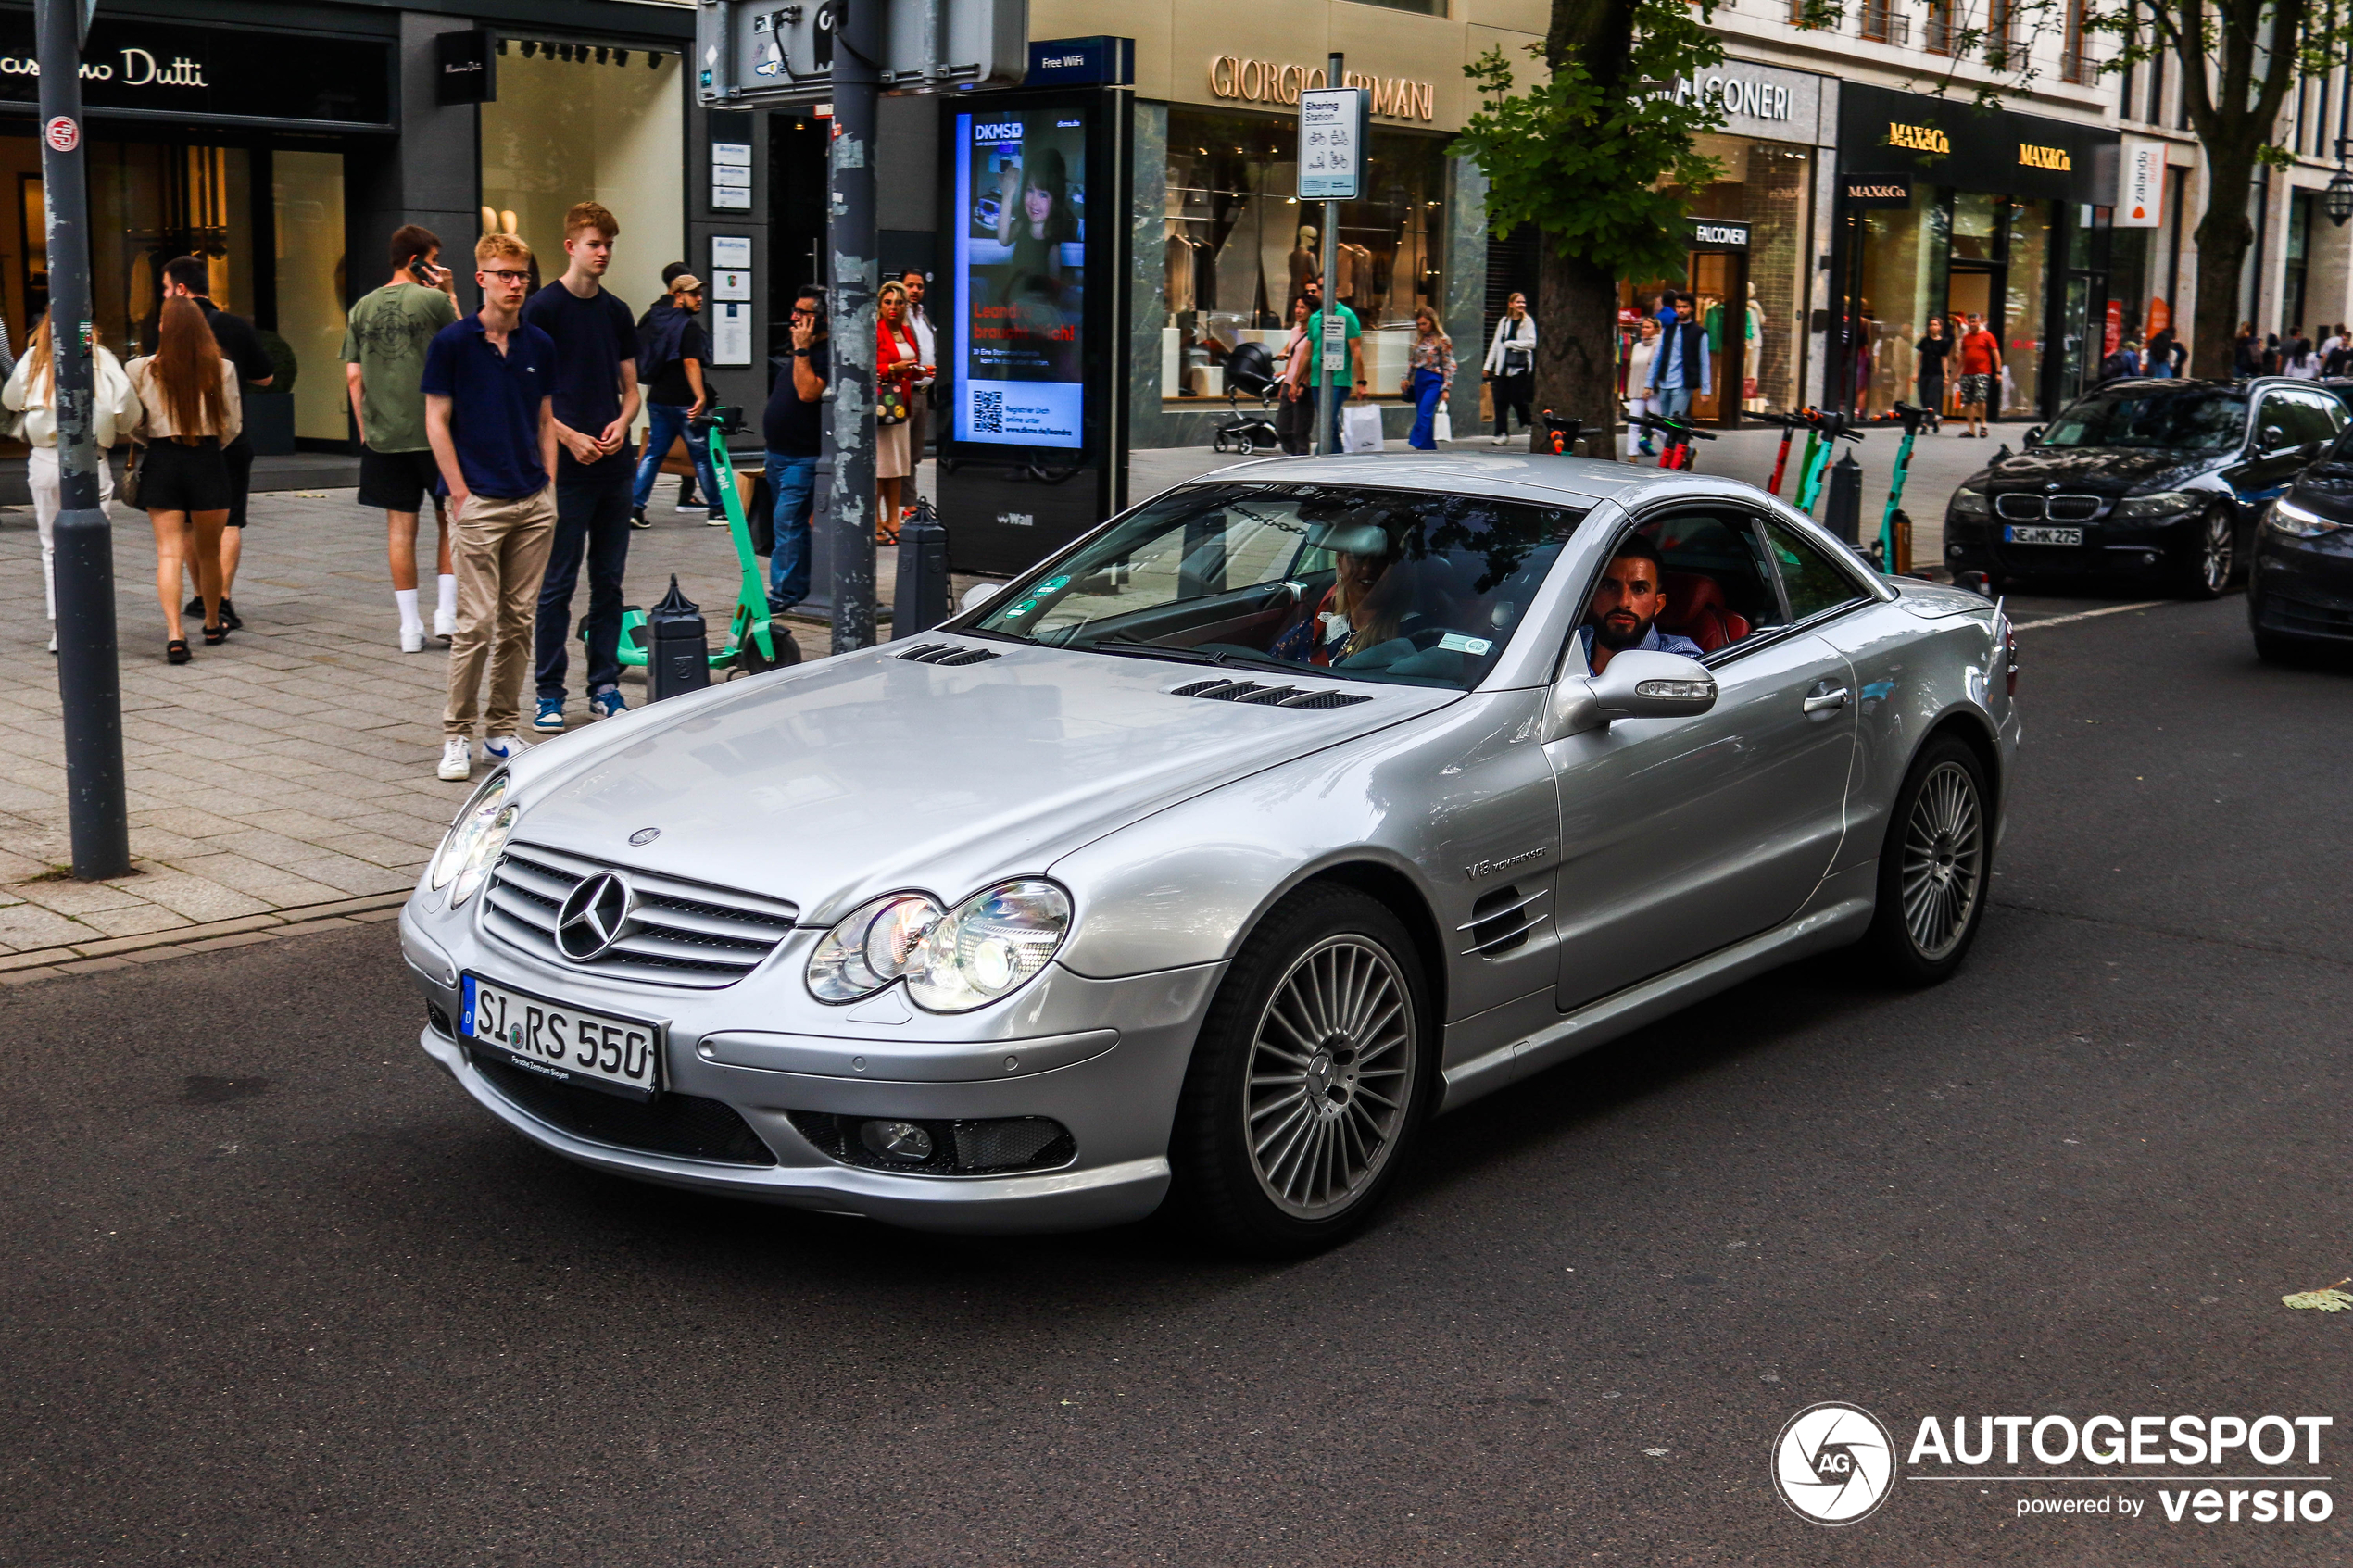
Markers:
210,75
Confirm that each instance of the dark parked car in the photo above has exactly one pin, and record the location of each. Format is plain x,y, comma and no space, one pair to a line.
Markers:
2299,589
2162,479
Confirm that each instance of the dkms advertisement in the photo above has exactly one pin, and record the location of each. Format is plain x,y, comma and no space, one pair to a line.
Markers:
1021,185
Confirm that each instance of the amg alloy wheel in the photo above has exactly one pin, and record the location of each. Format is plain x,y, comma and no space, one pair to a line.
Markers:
1934,866
1309,1082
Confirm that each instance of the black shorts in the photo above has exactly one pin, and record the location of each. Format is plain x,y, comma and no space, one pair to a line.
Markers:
173,478
398,482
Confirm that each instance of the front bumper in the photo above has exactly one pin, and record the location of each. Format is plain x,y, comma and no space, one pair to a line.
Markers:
1105,1058
2302,588
2109,549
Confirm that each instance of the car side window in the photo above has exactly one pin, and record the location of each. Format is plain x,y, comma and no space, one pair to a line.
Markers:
2277,408
2317,418
1811,580
1716,588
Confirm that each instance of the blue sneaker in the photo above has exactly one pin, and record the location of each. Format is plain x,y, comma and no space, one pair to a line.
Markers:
502,748
550,720
606,704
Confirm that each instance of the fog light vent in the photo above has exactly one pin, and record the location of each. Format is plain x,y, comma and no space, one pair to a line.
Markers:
998,1146
440,1021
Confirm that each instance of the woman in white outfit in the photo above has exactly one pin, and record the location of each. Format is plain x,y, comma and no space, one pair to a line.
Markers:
1638,378
29,392
1511,366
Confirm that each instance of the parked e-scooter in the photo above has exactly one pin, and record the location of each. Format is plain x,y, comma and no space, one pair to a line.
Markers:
1833,429
1680,435
754,642
1791,424
1894,526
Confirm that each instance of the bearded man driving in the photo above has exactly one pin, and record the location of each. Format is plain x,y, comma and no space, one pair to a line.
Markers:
1625,609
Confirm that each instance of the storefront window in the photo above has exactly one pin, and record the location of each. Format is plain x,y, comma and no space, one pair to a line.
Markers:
570,130
308,193
2027,272
1899,282
1240,245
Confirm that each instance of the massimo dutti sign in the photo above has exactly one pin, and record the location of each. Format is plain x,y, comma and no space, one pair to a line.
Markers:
1912,137
210,75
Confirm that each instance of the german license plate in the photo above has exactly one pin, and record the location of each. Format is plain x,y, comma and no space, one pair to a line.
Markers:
564,1044
2028,536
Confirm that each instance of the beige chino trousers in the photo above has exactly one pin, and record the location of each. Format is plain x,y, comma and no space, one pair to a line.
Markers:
500,550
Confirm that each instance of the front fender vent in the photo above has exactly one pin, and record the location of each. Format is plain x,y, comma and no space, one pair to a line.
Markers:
1500,922
947,653
1268,697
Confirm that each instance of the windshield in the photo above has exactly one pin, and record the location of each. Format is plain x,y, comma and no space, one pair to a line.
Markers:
1375,585
2190,422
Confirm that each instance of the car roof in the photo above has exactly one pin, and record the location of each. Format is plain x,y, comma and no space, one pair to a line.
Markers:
1533,476
2178,383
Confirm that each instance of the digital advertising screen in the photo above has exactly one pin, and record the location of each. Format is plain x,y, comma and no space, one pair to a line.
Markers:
1021,276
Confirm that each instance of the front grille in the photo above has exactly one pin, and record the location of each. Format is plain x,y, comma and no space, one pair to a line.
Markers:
1000,1146
678,933
688,1126
2054,508
1270,697
947,653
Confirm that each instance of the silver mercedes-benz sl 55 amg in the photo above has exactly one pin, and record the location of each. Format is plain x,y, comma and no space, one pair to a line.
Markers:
1203,863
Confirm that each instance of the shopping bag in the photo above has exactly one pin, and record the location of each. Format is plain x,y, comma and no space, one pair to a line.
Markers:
1487,402
1360,428
1442,428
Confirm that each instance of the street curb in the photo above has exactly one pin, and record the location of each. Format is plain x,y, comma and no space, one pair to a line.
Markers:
121,952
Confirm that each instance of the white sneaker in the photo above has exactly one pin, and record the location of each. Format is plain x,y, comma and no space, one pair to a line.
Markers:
412,638
444,626
716,519
502,748
457,760
1501,439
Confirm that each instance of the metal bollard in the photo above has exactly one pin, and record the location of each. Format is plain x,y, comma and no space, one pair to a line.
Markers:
1843,514
677,648
920,601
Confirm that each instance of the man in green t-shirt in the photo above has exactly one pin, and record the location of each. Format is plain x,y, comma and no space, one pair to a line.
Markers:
1349,374
384,351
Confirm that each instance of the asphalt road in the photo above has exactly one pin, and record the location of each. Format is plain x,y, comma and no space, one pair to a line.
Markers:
273,1290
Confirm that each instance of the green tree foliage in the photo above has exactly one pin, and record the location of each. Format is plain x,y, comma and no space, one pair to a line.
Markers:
1597,154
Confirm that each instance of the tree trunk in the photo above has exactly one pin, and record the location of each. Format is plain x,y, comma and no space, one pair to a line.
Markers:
2223,238
1576,367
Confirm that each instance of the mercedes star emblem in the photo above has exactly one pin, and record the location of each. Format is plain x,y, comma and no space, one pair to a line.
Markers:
644,835
594,917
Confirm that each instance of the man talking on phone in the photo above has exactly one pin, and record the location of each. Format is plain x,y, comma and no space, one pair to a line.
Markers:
384,352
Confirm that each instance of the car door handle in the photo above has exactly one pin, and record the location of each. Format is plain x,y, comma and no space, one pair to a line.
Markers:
1836,697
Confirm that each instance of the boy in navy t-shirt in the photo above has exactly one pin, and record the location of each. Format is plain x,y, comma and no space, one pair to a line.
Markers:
596,402
488,380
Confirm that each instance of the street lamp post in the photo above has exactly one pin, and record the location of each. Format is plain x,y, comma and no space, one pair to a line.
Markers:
89,684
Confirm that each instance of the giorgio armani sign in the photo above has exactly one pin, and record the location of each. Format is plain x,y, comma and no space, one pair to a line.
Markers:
209,75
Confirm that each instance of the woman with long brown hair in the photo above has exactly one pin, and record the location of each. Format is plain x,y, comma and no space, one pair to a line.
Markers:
188,410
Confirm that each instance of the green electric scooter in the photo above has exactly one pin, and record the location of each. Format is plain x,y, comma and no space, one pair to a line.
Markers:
1832,429
754,642
1890,520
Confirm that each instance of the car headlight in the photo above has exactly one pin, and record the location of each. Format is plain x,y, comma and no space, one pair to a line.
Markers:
474,841
1970,503
2287,517
986,947
2164,503
871,946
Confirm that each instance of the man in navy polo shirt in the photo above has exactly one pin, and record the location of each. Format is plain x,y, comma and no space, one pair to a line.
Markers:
488,383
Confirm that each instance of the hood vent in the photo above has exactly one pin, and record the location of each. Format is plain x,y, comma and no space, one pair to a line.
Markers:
1500,921
1268,697
949,653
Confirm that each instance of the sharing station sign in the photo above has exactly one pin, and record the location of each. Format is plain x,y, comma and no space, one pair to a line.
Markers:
1837,1464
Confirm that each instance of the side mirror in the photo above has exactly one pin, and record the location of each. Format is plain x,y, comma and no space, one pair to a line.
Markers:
2273,439
2033,437
1636,685
979,594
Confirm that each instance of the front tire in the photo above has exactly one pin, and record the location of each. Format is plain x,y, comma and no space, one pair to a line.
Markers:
2207,560
1310,1082
1934,869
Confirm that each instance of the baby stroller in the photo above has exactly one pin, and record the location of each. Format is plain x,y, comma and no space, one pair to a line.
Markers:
1250,371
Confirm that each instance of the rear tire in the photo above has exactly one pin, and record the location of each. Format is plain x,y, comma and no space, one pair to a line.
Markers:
1935,867
1310,1082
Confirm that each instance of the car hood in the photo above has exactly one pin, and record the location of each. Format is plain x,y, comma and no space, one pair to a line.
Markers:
2327,488
2101,471
830,784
